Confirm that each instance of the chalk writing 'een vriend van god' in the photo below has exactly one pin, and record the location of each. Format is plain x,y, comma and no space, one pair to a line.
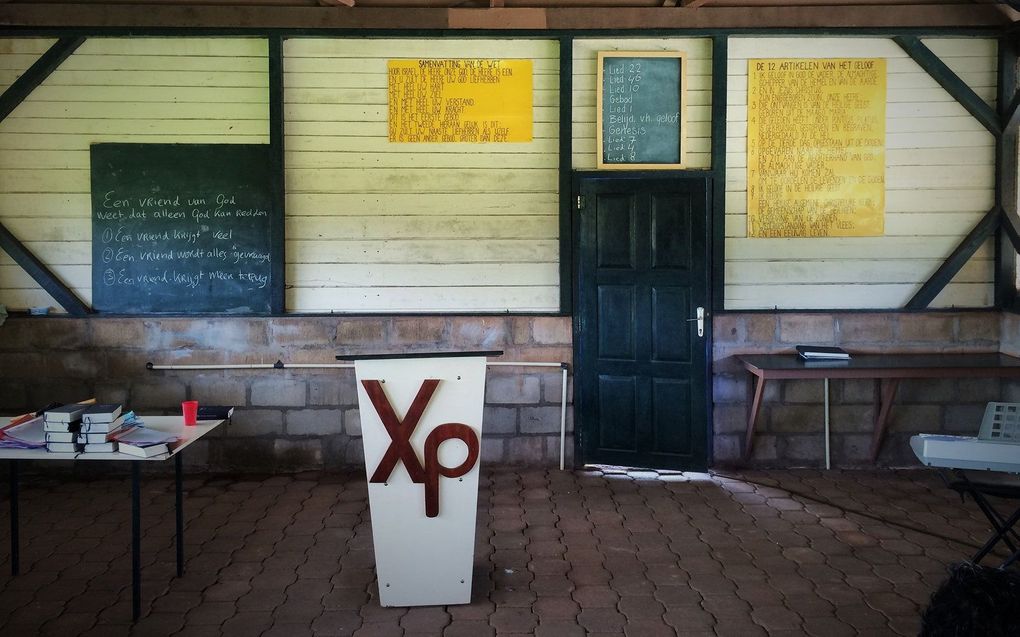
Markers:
194,231
184,228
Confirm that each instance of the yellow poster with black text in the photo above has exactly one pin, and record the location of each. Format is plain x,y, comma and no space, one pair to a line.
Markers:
460,100
816,147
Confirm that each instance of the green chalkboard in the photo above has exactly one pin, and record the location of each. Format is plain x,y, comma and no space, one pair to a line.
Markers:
640,110
184,228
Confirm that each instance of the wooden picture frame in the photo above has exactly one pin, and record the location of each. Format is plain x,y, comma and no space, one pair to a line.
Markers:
640,110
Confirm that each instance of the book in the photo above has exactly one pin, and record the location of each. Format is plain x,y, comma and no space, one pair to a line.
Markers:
88,437
50,427
214,412
63,447
61,436
814,352
145,443
102,427
65,413
103,412
143,452
100,447
826,362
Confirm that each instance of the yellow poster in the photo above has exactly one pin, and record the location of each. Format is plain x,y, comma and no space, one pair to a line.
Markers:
460,100
816,147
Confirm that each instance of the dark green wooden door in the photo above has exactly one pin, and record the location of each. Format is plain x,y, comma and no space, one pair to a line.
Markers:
641,366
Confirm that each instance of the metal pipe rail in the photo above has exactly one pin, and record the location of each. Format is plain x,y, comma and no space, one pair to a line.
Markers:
564,367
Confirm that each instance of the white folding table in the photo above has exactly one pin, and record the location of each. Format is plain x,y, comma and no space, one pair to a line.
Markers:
171,425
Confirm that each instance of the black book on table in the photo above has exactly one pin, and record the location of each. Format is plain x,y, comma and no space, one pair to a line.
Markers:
215,412
65,413
107,412
822,352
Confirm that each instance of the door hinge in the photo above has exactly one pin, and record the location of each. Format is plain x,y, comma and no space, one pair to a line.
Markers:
580,202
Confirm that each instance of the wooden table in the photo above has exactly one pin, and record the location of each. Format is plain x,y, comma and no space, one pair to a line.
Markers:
889,369
173,425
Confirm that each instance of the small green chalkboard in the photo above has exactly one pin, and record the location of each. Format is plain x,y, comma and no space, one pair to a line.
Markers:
184,228
640,109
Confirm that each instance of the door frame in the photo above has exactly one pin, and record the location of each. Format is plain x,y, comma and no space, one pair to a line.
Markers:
712,277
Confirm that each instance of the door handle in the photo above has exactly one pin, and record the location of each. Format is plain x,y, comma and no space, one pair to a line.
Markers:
700,318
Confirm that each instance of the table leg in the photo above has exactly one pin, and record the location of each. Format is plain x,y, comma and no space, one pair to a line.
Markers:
136,541
828,463
179,498
887,393
15,537
755,391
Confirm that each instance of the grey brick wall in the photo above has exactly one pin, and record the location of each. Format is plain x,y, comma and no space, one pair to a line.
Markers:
790,424
287,419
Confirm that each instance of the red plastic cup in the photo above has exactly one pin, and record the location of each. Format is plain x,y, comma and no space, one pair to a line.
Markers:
190,409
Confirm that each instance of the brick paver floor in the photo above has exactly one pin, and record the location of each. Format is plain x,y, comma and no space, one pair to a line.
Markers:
558,554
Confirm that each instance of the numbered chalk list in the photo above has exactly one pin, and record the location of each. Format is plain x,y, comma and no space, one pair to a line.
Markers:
183,228
640,110
816,147
459,100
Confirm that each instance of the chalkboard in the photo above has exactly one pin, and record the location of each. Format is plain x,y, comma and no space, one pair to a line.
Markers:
184,228
640,110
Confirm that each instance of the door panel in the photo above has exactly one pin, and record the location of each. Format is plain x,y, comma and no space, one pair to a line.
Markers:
616,227
617,403
671,415
670,344
642,268
671,243
616,307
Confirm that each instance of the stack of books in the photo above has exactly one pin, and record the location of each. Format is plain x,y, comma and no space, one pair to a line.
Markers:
822,353
61,425
100,427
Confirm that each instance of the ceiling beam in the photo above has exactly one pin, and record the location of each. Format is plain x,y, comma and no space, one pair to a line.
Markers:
113,16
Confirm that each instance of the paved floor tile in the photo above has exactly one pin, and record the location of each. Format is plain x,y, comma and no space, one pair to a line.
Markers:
558,554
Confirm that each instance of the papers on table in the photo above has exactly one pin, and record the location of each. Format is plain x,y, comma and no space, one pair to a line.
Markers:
26,435
31,434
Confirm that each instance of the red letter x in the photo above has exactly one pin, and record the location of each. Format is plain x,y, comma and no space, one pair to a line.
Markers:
399,431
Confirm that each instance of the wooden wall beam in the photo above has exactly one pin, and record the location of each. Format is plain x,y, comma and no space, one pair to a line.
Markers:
42,275
9,100
952,265
566,165
950,81
37,74
962,15
720,80
1006,178
277,158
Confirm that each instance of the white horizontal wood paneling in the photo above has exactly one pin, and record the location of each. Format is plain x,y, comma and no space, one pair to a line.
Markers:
373,298
698,133
16,55
940,172
422,251
140,90
375,226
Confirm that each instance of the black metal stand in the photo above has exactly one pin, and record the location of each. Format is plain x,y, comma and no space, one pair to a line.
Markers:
136,541
179,502
15,538
1003,525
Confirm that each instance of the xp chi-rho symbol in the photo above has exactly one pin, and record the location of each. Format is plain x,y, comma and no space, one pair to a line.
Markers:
400,449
